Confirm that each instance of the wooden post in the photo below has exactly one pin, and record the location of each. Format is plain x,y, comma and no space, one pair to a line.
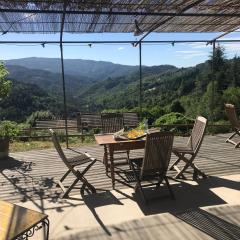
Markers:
63,74
140,79
213,71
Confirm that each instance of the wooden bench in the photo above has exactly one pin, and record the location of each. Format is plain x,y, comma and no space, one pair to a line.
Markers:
58,125
55,124
88,121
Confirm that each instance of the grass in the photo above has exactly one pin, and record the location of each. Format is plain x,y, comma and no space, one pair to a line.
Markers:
22,146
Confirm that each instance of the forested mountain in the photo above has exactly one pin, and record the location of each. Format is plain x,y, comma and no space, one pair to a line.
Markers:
95,70
121,92
49,81
202,89
29,83
24,99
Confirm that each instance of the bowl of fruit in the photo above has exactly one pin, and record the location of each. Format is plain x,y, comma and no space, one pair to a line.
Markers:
135,134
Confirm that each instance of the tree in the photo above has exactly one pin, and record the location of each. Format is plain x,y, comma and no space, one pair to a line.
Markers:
211,105
234,72
218,58
232,95
176,106
218,62
5,85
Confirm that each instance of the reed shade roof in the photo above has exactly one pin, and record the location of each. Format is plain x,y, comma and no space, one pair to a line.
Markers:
44,16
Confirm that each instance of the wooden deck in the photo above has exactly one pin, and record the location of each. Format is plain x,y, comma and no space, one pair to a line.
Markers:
33,174
221,223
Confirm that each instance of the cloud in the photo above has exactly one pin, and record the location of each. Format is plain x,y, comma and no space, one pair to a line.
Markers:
188,51
121,48
195,45
199,45
229,38
188,54
231,47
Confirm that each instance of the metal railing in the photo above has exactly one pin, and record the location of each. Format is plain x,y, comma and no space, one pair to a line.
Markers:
179,129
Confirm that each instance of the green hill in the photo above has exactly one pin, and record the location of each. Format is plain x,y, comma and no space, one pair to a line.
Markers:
191,91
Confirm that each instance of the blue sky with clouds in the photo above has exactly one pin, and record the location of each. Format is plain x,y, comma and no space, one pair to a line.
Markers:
180,55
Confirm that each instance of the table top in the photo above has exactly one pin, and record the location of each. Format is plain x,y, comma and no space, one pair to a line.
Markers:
104,139
15,220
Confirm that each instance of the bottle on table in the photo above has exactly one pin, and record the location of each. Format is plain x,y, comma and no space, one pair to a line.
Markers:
146,125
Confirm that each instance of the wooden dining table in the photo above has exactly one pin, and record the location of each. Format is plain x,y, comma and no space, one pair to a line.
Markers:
110,145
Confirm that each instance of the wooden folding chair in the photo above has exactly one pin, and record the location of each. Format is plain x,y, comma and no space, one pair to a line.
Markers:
111,123
72,164
191,149
154,164
232,117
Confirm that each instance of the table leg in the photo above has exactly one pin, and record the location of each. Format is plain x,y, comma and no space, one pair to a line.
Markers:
46,224
112,165
105,158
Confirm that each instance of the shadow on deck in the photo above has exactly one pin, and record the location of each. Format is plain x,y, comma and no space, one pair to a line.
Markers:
31,177
31,174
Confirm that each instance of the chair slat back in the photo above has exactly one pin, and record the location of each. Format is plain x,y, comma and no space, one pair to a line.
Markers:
112,122
59,149
196,138
131,119
232,115
157,154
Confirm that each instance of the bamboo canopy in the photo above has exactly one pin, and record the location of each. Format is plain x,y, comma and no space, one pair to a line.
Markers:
98,16
140,17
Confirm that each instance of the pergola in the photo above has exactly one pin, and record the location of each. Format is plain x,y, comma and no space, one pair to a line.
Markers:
113,16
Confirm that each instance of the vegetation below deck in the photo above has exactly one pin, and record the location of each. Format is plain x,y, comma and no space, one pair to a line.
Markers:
30,144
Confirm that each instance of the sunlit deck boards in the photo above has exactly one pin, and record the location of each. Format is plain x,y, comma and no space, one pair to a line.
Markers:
205,224
36,176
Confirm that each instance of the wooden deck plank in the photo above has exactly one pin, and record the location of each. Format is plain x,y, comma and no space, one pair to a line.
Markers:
34,174
198,224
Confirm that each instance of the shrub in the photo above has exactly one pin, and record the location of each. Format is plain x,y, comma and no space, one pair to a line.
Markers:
9,129
110,111
224,127
157,112
39,115
145,114
23,126
174,118
5,85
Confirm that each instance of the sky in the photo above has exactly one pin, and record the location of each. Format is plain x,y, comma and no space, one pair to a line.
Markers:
180,55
